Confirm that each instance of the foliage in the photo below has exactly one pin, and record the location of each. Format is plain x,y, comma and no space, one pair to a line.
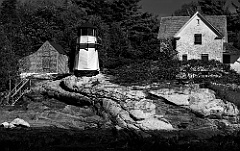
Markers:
119,45
142,32
167,50
200,65
234,25
226,92
208,71
208,7
214,7
8,55
145,72
187,9
124,31
137,30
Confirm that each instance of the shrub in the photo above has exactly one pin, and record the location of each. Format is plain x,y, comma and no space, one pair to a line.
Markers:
227,93
145,72
212,70
113,63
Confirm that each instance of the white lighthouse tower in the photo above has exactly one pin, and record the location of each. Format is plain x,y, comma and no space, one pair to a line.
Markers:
86,57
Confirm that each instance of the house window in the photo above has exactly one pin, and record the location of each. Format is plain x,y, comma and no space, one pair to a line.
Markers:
198,39
226,58
204,57
184,57
198,21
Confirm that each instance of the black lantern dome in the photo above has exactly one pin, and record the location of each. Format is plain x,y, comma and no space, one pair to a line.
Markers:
87,25
87,29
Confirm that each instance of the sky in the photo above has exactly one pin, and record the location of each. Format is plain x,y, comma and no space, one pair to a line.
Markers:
165,7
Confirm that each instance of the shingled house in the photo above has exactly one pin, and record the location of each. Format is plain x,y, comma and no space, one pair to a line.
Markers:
49,58
200,37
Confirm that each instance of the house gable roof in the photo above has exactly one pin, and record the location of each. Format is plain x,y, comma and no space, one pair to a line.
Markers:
170,26
204,20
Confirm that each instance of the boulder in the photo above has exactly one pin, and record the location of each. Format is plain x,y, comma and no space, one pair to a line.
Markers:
55,90
230,109
91,86
204,103
202,95
155,124
213,108
20,122
7,125
141,110
125,121
178,99
85,111
140,114
111,107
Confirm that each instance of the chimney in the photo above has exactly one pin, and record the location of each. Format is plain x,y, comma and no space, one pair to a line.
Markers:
199,9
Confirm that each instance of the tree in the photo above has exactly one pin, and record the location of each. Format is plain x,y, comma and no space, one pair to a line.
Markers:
119,45
207,7
142,32
8,61
214,7
8,11
234,25
187,9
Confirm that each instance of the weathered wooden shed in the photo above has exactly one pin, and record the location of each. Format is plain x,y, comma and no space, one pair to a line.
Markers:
49,58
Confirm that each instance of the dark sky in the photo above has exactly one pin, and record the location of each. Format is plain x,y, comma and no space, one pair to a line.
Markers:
164,7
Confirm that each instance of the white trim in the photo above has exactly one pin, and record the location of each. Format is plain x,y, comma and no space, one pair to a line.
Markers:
183,27
177,35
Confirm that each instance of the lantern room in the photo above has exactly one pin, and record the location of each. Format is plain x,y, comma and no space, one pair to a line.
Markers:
86,56
87,29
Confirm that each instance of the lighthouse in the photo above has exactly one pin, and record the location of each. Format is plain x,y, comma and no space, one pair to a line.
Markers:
86,57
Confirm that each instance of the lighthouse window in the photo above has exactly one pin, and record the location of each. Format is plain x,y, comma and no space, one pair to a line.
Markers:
87,31
84,31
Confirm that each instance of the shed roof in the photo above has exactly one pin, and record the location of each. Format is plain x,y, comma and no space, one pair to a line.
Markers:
58,47
170,25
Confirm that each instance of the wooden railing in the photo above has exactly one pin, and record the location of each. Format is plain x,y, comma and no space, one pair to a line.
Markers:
18,91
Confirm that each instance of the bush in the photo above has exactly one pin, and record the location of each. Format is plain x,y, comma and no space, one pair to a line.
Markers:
226,92
113,63
145,72
202,71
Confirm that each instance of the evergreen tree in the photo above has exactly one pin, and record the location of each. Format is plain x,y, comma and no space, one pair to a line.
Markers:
214,7
187,9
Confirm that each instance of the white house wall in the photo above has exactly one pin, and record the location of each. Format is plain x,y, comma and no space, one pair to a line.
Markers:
211,46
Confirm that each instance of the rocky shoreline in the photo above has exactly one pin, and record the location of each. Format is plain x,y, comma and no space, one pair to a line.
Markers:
91,107
144,107
96,103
